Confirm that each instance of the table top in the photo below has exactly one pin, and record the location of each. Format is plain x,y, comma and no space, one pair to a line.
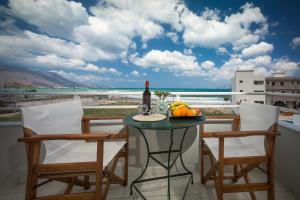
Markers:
166,124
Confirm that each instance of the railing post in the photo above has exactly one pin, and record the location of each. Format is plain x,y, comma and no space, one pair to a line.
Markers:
76,97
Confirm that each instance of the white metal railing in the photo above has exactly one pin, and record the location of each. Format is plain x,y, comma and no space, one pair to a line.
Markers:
177,94
139,93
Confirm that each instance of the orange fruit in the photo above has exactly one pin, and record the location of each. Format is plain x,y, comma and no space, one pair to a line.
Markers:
183,109
176,113
180,111
191,112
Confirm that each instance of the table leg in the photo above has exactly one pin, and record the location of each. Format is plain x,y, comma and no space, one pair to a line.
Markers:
147,162
169,159
180,155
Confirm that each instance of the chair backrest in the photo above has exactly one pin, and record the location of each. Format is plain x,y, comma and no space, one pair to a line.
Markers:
58,118
256,116
253,117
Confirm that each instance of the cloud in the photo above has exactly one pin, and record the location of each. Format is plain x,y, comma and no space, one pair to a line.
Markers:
173,61
135,73
295,42
84,79
222,50
207,65
257,49
173,36
55,17
211,32
52,60
261,64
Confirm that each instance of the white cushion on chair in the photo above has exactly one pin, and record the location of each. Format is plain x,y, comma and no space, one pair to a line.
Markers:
65,118
253,117
234,147
81,151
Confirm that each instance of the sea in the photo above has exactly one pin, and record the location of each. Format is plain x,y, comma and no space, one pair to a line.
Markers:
189,99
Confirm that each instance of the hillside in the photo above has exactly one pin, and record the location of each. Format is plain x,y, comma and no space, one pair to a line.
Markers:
22,77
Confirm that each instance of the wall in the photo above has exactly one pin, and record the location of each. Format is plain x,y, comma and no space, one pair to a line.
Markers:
248,78
287,156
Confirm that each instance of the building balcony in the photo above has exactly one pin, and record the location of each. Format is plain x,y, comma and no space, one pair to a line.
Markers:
287,161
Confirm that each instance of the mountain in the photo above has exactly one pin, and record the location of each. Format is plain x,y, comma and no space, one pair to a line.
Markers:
23,77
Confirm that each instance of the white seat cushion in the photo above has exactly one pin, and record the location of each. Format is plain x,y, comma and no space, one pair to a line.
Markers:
236,147
82,151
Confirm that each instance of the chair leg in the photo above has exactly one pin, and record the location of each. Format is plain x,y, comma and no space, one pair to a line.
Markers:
126,166
270,168
246,178
87,182
31,189
99,171
235,171
32,176
202,162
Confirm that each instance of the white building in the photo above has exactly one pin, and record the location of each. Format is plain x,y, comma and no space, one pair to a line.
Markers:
248,81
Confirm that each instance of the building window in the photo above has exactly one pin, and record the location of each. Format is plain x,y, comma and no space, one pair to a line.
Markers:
261,102
273,83
282,92
292,82
282,83
298,82
267,82
258,91
258,82
241,81
241,90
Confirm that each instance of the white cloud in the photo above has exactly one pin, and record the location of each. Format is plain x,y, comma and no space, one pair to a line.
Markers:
55,17
144,74
257,49
173,61
85,79
173,36
211,32
211,14
286,66
188,51
261,64
135,73
52,60
222,50
207,65
295,42
92,67
163,11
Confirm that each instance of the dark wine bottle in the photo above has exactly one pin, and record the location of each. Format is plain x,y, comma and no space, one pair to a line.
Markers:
146,99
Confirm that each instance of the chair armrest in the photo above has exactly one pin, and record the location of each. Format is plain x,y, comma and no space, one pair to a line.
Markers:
239,134
90,137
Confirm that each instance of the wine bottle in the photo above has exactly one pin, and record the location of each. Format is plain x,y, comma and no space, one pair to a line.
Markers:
146,99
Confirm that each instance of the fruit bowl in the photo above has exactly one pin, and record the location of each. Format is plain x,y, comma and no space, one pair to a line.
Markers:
194,116
180,109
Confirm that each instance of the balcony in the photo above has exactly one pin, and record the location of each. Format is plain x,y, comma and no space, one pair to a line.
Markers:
13,167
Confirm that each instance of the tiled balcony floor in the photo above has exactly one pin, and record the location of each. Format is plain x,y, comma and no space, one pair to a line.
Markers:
157,190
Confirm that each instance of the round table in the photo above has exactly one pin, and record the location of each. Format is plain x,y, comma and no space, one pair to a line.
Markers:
170,123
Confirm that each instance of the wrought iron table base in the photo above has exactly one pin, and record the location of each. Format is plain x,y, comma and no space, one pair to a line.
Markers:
168,167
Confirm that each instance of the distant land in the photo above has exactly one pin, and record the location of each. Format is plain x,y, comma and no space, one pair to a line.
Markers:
19,77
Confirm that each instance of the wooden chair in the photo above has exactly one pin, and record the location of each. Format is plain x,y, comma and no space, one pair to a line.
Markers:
72,153
250,144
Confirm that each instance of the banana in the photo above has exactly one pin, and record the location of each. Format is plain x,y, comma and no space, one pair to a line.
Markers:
178,103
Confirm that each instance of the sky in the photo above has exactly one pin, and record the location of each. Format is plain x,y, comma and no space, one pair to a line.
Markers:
171,43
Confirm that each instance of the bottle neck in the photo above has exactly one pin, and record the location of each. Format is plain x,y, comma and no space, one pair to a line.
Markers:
147,85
